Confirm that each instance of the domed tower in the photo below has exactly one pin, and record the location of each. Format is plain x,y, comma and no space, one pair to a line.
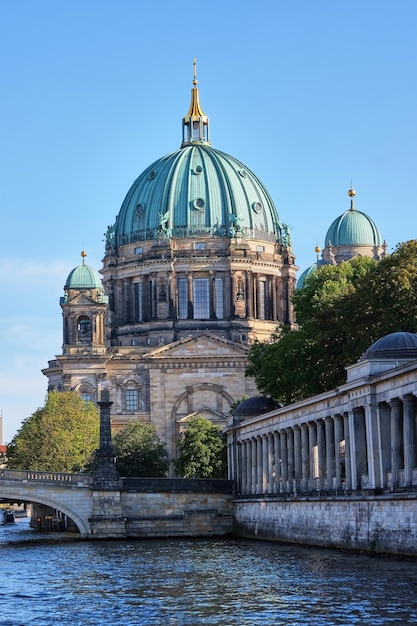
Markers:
352,234
197,246
83,310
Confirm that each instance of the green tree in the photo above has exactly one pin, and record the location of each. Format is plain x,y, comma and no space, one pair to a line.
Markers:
202,451
139,451
59,437
341,311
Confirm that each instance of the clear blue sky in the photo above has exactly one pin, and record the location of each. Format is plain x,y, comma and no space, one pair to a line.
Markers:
309,94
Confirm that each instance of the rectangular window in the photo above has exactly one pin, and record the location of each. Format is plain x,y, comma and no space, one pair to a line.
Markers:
260,248
200,245
182,299
201,298
131,399
138,250
218,286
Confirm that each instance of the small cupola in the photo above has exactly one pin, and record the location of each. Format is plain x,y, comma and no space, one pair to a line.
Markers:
195,125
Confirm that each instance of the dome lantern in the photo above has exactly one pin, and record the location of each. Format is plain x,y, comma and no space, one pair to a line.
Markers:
195,125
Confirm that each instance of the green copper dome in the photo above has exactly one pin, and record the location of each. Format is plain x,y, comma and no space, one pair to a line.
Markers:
306,274
83,277
353,228
196,191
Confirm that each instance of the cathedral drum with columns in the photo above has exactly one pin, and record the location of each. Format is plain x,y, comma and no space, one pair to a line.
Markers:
197,266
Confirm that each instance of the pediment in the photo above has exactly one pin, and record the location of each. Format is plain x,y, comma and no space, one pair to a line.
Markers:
203,345
209,414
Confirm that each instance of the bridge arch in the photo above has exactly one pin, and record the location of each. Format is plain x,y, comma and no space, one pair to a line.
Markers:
57,501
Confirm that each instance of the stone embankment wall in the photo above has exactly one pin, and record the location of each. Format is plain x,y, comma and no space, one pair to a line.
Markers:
376,524
146,508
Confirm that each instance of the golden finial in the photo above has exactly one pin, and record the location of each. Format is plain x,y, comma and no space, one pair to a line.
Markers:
83,255
351,194
195,81
317,249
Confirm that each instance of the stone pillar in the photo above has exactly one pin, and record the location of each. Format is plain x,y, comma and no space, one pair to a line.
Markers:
305,457
409,438
373,449
290,459
313,466
297,458
105,474
349,471
271,463
340,464
254,459
321,445
248,447
277,464
259,465
395,406
284,461
330,453
265,464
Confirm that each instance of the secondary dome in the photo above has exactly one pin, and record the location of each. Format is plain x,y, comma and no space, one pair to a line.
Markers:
307,273
399,345
197,191
254,406
353,228
83,277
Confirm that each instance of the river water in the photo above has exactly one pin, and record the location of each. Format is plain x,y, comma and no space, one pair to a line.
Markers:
49,579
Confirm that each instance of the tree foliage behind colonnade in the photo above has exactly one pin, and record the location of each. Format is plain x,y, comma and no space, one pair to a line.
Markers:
341,311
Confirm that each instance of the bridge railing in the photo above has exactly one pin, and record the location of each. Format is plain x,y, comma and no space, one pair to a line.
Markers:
28,476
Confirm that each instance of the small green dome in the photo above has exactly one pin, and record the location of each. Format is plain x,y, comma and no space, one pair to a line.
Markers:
306,274
353,228
197,191
83,277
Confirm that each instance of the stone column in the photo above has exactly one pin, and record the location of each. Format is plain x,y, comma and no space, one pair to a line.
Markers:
395,405
284,461
409,438
348,453
265,464
330,453
248,448
305,457
322,453
277,457
259,465
312,442
270,463
297,458
374,448
340,471
290,459
254,459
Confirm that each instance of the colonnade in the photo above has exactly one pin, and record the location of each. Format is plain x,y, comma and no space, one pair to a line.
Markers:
370,446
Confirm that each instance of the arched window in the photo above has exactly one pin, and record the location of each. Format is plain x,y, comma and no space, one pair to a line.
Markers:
86,394
84,329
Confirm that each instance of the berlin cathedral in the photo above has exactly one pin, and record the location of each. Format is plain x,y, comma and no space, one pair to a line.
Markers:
197,266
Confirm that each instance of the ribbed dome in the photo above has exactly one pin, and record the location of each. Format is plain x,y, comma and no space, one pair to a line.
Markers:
400,345
197,191
306,274
353,228
83,277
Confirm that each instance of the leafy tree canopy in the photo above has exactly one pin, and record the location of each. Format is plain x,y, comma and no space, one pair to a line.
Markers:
341,310
59,437
202,451
139,452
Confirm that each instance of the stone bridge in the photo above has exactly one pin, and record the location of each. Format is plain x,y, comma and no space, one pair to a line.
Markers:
133,507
